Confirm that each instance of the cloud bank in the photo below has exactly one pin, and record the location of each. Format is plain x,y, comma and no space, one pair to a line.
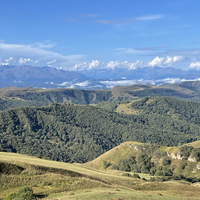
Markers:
157,61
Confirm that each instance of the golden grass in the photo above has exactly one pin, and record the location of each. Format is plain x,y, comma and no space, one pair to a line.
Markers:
195,144
109,194
126,108
102,188
113,156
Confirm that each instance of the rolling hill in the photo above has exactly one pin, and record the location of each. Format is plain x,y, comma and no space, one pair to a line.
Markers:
74,133
33,96
188,167
57,180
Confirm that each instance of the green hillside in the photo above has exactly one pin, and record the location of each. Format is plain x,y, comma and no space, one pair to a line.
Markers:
160,162
74,133
26,177
56,95
17,97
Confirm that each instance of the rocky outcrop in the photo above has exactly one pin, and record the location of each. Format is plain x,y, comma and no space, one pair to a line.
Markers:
179,157
198,166
192,159
175,156
131,146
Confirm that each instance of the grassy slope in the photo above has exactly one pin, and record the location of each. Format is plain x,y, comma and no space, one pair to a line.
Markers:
124,151
114,155
107,186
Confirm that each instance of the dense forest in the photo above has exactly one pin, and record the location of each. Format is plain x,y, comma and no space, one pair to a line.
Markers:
66,95
74,133
6,104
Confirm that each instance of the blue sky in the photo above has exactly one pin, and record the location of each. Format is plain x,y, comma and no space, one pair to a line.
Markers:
77,34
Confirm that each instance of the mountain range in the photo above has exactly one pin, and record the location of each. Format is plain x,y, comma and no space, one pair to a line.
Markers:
47,77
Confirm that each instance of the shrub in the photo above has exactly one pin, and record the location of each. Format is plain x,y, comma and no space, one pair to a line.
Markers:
106,164
144,169
183,165
152,171
166,161
163,153
179,177
115,167
135,168
136,176
186,151
196,154
126,174
22,194
152,179
11,196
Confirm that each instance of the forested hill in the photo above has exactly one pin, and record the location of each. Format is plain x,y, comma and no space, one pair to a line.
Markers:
35,97
75,133
12,96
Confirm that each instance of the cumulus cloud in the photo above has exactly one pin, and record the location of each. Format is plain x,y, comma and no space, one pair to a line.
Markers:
169,61
157,61
24,60
195,65
9,59
95,64
3,63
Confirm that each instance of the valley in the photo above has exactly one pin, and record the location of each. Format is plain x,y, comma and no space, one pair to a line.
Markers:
117,144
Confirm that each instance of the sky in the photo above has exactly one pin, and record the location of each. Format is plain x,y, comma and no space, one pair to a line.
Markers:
90,34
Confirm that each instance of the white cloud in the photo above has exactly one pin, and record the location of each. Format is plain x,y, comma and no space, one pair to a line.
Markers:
95,64
195,65
131,51
3,63
51,62
24,60
38,51
44,45
130,20
161,62
156,62
111,84
36,61
9,59
83,84
171,60
150,17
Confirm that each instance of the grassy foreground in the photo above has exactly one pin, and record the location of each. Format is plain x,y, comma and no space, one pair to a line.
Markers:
57,180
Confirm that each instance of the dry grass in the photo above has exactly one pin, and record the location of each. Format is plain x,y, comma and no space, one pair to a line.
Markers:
103,185
113,156
126,108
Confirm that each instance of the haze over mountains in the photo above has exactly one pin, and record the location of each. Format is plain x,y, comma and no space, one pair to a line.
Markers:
106,78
